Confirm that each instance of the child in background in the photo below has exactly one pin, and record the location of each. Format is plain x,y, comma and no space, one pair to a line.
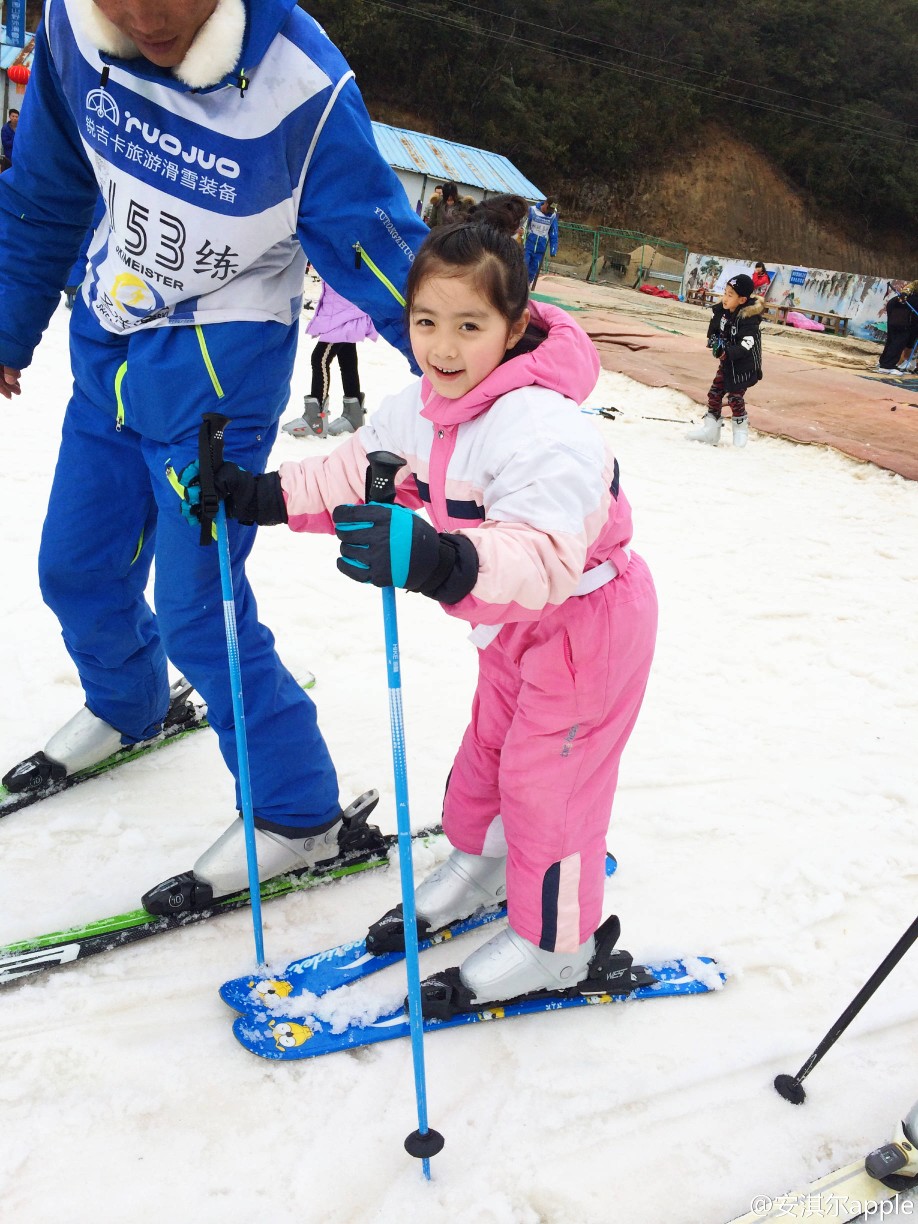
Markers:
449,208
733,337
339,326
760,280
529,544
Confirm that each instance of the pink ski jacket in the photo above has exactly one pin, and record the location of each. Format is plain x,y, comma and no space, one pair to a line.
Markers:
513,465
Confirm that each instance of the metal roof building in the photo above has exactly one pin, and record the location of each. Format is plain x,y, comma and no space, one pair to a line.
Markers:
16,55
422,162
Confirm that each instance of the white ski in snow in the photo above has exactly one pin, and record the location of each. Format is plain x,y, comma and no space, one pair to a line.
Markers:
857,1189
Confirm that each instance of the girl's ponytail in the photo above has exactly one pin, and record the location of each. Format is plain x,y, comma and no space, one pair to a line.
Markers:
504,213
481,244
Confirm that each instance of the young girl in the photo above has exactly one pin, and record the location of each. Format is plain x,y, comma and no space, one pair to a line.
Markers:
761,281
339,326
529,544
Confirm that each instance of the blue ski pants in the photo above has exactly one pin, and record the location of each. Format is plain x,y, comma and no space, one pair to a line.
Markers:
535,249
135,411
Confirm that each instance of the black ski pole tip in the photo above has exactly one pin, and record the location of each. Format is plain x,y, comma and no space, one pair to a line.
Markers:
790,1088
424,1146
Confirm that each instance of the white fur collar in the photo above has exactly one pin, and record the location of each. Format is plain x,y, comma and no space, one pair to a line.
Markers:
214,52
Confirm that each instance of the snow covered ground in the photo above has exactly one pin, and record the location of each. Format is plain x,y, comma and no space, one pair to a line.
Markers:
766,816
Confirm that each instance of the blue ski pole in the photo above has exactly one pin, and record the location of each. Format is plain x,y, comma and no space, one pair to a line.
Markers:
213,514
424,1142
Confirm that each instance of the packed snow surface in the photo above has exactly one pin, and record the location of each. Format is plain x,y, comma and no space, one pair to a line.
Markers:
766,816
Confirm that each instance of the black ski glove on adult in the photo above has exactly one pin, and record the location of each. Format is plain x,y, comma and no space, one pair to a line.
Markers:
391,546
246,497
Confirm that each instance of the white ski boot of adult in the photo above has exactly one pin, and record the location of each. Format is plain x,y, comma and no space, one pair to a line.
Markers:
353,415
708,431
83,741
313,423
508,966
86,741
740,431
223,869
462,884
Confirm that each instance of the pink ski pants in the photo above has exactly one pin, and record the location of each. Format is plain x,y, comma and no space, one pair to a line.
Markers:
555,704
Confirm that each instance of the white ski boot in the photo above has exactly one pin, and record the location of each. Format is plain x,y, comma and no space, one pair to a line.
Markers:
84,740
353,415
509,969
740,431
708,431
223,870
313,423
223,865
87,740
457,888
508,966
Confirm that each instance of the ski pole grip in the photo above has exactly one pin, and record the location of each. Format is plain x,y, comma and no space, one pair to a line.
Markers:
380,483
210,457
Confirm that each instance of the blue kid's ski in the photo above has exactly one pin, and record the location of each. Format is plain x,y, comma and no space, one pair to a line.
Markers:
286,1040
325,971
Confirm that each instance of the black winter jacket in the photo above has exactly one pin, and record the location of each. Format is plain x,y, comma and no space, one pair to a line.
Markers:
902,316
740,343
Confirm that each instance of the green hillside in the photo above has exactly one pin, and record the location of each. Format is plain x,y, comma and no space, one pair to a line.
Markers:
588,97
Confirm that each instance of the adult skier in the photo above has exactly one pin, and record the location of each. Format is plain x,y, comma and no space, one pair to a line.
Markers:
225,137
541,232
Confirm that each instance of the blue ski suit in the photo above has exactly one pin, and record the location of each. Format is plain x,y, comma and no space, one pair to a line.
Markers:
213,192
541,232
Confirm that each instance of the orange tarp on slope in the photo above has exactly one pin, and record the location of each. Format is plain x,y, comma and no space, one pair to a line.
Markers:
797,399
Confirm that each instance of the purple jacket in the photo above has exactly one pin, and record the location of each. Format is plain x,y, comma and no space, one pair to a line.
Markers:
339,321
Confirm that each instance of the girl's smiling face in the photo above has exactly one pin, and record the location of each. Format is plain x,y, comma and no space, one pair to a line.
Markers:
457,336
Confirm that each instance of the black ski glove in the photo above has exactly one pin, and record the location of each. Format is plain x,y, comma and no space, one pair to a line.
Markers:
248,498
391,546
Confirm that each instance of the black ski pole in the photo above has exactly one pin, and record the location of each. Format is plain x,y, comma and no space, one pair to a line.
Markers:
791,1086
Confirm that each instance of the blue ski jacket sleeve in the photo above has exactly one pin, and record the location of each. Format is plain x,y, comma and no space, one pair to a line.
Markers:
47,200
364,252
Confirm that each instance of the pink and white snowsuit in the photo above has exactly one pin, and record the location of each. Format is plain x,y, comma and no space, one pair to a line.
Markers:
565,618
